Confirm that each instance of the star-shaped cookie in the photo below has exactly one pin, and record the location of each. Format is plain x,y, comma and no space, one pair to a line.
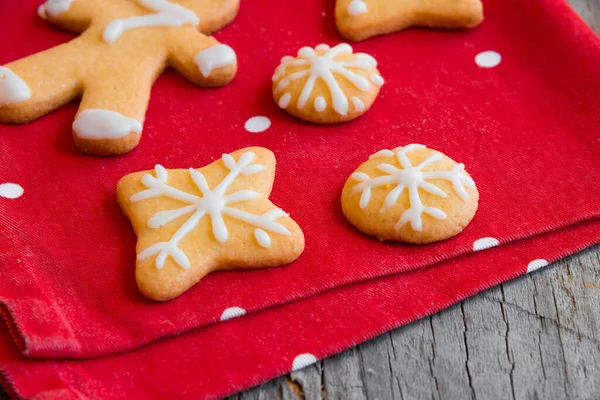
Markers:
191,222
362,19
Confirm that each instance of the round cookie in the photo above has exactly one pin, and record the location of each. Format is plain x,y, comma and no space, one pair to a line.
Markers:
411,194
327,85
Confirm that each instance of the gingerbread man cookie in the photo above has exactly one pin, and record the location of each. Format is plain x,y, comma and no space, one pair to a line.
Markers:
362,19
410,194
191,222
326,84
124,46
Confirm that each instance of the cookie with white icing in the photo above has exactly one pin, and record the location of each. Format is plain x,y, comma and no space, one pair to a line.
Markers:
191,222
411,194
362,19
326,84
123,48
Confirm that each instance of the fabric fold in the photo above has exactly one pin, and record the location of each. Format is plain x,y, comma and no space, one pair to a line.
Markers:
222,359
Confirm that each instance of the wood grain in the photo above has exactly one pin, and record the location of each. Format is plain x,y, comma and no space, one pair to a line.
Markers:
537,337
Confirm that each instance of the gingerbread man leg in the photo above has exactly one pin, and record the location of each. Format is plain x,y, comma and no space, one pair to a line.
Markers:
113,107
202,59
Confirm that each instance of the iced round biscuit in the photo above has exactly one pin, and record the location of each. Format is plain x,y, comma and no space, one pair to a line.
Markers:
124,46
191,222
362,19
327,85
411,194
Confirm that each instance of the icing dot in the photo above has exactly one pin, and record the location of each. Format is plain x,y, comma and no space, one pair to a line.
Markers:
485,243
11,190
322,47
536,264
284,101
257,124
303,360
358,104
377,79
488,59
357,7
232,312
362,83
262,238
320,104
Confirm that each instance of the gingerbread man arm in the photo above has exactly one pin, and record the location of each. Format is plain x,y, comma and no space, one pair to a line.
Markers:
71,15
202,59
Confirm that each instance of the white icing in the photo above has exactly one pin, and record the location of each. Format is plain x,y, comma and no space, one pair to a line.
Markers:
357,7
12,88
412,178
488,59
377,79
101,124
11,190
53,8
320,104
262,238
358,104
257,124
214,57
167,14
323,67
213,203
284,101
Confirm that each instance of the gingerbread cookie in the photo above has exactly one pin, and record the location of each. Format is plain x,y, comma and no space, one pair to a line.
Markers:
112,65
362,19
411,194
191,222
326,84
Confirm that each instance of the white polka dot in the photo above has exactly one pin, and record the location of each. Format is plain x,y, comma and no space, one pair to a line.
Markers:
485,243
257,124
11,190
303,360
536,264
488,59
232,312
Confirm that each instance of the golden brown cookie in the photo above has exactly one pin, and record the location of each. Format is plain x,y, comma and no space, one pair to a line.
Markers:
411,194
124,46
362,19
326,85
191,222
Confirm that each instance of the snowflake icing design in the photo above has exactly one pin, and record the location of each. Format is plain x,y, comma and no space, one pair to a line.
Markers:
412,178
323,67
213,202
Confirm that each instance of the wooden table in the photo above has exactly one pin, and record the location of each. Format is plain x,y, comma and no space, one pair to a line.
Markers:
537,337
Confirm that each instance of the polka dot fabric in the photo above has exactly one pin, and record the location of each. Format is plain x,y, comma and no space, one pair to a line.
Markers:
68,250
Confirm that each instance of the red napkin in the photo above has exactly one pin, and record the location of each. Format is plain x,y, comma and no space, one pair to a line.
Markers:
526,129
228,357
